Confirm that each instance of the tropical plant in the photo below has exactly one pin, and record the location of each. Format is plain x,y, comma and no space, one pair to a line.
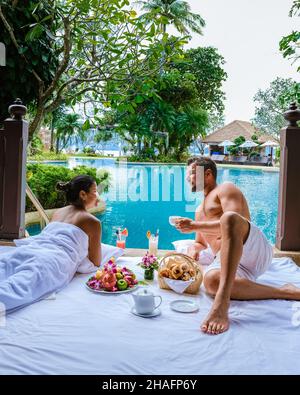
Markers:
35,147
74,51
290,44
205,64
66,127
42,180
172,12
234,149
272,103
30,62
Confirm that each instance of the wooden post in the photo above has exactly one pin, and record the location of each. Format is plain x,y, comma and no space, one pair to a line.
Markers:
288,226
13,145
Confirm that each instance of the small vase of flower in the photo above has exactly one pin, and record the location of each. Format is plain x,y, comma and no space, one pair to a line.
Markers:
149,264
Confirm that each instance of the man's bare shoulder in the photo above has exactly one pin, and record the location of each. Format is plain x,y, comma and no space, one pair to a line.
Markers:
228,188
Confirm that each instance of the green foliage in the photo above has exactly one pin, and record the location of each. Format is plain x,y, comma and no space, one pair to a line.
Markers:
88,151
167,158
36,44
174,112
175,12
35,147
254,153
75,51
290,44
272,103
44,156
234,149
67,126
205,64
42,180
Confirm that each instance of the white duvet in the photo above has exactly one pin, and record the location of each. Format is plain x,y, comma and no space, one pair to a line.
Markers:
86,333
41,264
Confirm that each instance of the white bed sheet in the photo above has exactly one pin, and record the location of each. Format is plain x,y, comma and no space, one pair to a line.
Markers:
81,332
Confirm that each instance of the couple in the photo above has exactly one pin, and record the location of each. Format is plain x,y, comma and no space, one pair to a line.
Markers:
48,262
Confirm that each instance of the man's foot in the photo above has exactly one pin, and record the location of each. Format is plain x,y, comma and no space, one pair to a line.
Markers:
217,321
292,292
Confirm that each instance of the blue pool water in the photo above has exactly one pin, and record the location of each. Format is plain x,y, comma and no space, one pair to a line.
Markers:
142,197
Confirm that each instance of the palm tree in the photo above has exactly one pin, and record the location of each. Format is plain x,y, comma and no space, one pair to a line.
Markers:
66,127
174,12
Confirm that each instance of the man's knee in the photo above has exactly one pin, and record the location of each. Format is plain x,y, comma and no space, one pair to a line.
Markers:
233,224
211,282
231,219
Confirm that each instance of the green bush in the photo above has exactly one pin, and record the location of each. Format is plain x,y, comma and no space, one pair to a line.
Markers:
36,146
254,153
42,180
169,158
89,151
48,156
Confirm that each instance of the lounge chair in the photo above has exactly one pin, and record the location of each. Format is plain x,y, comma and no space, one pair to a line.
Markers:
217,158
238,159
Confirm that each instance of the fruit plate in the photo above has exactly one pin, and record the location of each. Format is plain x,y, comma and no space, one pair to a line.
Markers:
102,291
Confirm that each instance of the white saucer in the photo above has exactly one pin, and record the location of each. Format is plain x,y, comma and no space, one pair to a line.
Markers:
155,313
184,306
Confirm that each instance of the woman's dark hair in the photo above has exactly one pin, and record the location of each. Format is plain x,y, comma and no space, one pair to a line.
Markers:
73,188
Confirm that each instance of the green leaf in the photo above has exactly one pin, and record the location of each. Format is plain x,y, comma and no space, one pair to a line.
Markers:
139,99
34,33
86,125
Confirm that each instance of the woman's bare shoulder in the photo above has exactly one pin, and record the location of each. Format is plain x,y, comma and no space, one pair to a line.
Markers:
59,213
89,223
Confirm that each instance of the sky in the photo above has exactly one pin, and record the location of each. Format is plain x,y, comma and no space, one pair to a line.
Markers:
247,34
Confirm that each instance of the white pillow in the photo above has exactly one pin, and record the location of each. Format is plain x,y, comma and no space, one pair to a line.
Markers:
107,251
182,245
206,256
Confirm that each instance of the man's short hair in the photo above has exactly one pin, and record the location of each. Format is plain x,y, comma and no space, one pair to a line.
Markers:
207,163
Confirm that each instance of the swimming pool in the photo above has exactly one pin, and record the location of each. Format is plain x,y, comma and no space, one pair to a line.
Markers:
142,197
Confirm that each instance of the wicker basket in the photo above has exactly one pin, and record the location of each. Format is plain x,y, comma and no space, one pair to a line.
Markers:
193,288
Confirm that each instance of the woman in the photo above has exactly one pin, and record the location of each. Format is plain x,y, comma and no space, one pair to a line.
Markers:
47,262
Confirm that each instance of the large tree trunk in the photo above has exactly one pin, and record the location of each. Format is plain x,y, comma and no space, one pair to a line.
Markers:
57,145
36,123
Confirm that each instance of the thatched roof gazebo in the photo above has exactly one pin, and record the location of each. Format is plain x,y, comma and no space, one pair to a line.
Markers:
234,130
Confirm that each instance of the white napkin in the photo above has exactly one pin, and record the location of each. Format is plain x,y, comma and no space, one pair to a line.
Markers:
179,286
51,296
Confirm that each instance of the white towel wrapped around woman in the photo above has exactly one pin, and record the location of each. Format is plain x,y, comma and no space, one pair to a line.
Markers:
41,264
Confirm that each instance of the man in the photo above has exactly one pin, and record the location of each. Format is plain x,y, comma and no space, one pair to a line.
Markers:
242,252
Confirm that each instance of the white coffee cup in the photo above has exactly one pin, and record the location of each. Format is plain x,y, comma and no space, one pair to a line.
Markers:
173,218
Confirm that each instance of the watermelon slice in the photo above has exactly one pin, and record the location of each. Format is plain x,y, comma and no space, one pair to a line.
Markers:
124,232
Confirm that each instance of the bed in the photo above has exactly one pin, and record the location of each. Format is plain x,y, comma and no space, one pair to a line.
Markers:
79,332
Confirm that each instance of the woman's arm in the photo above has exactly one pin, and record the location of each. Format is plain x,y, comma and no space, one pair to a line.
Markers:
94,253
